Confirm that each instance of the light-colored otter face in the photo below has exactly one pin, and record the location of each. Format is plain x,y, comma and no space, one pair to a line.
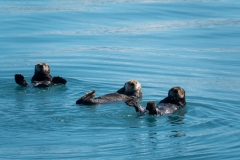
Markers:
42,68
176,92
132,86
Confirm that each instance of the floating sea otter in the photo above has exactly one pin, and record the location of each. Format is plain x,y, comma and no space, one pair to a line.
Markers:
41,77
169,105
131,90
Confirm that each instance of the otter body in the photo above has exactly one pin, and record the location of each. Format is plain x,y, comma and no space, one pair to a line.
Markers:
89,99
169,105
131,89
41,77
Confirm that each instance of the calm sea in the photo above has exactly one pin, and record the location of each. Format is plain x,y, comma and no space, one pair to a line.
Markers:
99,45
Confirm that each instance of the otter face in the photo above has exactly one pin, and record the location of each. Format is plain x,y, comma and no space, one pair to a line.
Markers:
151,108
176,92
42,68
132,86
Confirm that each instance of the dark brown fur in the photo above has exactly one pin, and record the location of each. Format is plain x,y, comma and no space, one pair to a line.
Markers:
41,77
170,104
131,89
174,97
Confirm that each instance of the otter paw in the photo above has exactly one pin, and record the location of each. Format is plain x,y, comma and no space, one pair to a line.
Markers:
86,97
59,80
19,79
89,95
131,102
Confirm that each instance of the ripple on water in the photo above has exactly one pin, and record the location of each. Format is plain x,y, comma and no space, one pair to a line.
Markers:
99,45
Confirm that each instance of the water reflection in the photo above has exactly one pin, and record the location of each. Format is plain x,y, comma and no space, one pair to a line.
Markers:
177,133
151,121
178,117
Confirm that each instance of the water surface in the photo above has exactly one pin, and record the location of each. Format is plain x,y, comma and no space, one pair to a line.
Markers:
99,45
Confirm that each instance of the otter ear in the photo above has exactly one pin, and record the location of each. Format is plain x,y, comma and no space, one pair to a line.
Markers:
121,91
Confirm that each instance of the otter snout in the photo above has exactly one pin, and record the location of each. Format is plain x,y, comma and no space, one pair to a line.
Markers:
131,84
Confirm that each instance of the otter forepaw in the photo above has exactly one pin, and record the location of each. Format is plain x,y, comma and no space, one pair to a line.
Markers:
19,79
86,97
59,80
131,102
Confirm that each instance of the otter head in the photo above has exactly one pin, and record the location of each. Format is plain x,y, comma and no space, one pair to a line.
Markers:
151,108
42,68
176,92
133,87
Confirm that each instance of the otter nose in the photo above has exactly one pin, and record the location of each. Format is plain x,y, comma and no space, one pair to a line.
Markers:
132,84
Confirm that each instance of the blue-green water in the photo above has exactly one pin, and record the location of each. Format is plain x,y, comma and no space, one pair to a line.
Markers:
102,44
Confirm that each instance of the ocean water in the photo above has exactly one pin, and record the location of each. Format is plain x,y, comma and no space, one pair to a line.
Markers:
99,45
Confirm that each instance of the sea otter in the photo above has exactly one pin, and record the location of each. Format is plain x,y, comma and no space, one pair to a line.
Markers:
131,90
41,77
174,101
